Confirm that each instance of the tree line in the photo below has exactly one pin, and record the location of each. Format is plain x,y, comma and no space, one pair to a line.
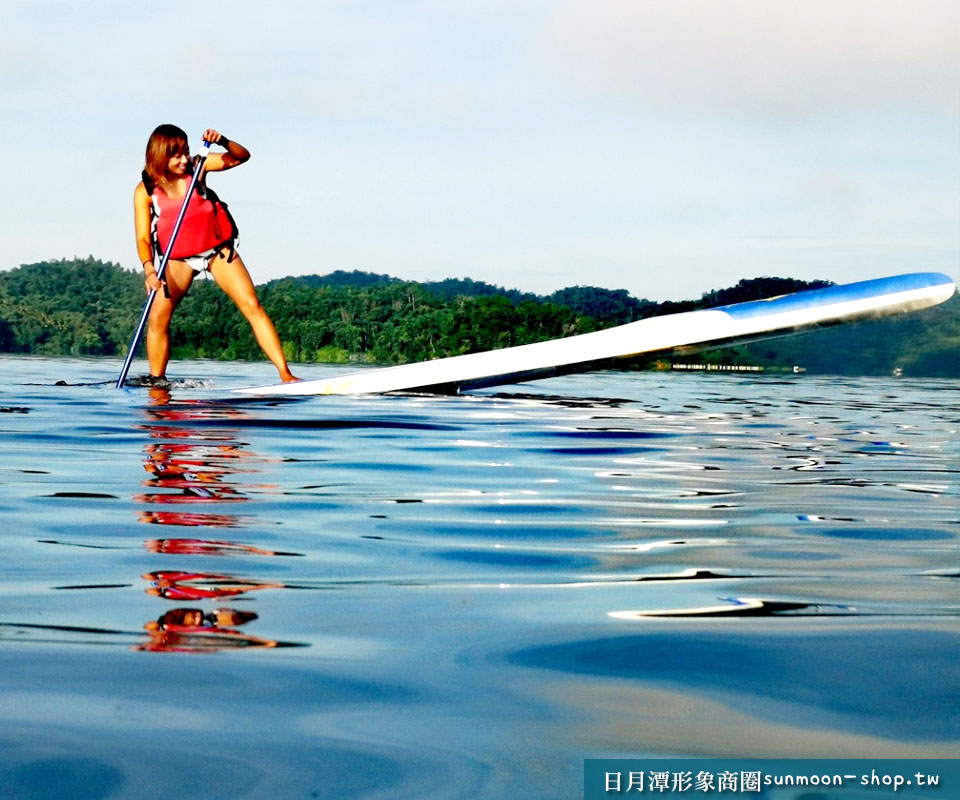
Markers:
90,307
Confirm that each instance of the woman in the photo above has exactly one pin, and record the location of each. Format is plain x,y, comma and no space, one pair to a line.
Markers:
206,229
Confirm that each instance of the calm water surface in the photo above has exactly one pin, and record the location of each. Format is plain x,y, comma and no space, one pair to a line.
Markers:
445,597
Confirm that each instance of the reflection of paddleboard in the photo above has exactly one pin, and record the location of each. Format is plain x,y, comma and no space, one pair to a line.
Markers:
725,325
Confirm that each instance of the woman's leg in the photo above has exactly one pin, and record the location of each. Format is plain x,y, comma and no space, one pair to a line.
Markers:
233,278
178,276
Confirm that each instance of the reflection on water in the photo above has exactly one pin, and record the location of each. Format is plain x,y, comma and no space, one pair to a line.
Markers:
485,589
737,607
201,585
204,547
200,467
190,630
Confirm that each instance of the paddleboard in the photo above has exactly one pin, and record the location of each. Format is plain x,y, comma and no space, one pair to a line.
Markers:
724,325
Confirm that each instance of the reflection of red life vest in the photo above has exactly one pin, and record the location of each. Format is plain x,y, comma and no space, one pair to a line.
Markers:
178,592
205,226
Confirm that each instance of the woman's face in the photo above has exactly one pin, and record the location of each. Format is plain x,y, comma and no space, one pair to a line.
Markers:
177,164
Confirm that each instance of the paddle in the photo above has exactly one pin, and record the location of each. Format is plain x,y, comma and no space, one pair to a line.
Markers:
197,169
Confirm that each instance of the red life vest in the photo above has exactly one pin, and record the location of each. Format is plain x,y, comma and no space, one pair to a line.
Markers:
205,226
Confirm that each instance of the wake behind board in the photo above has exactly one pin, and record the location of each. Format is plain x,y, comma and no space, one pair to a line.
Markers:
725,325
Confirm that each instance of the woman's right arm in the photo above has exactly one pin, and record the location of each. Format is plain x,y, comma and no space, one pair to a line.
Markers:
141,221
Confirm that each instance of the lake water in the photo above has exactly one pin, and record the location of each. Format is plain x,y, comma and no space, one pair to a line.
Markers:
206,595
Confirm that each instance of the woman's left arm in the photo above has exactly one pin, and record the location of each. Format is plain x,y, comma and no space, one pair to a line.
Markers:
217,162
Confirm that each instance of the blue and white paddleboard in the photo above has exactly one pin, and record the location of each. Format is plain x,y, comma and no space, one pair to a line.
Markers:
725,325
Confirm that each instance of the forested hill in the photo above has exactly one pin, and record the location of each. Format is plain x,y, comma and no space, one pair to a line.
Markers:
606,306
88,307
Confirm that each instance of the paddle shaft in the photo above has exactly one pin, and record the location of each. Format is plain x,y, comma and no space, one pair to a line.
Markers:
198,168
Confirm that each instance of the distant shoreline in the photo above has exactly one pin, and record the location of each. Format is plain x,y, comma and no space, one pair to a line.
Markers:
86,307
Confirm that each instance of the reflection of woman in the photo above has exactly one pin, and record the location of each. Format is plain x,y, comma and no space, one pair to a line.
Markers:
206,547
189,630
172,585
205,242
191,618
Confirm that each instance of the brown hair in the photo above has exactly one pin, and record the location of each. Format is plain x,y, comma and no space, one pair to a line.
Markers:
164,143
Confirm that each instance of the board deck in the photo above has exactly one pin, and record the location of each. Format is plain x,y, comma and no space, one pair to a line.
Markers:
724,325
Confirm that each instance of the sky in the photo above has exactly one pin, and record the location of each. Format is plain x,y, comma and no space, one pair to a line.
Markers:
666,147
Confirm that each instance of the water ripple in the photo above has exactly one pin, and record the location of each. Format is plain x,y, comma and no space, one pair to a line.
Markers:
461,589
